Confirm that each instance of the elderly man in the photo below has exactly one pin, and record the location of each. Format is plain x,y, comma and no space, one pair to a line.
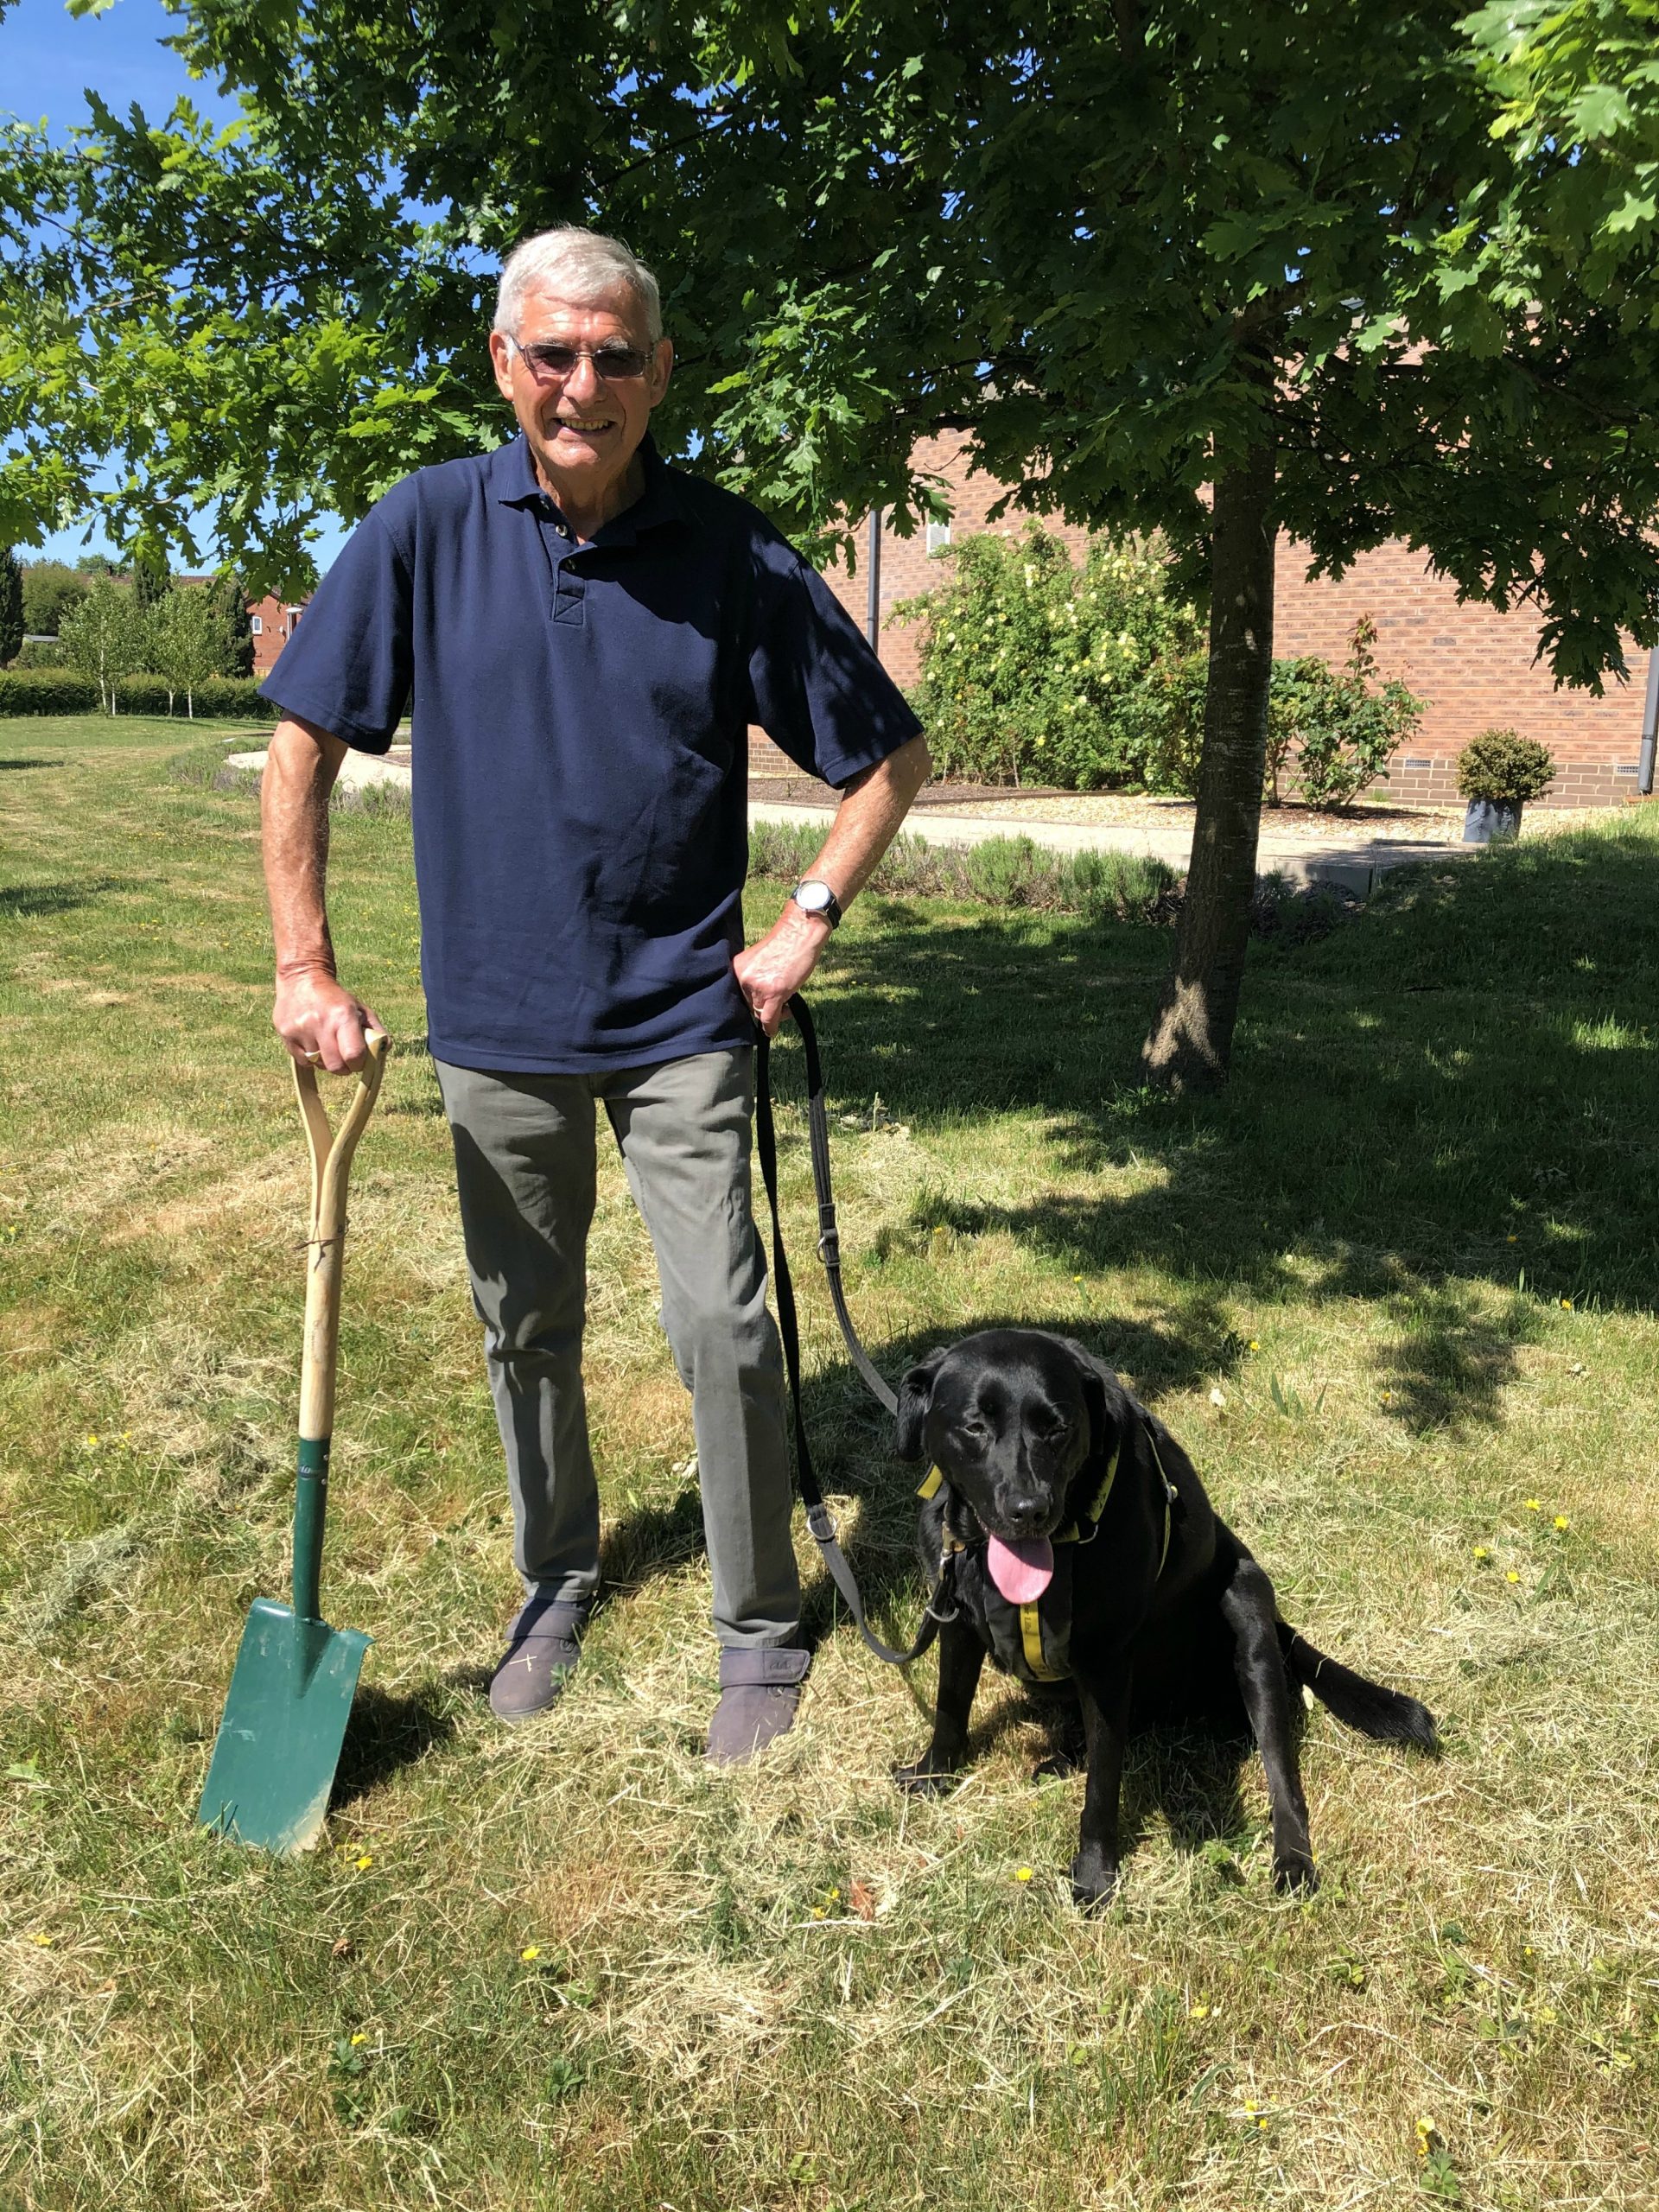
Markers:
586,635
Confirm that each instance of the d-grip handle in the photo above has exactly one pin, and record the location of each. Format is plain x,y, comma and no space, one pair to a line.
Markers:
331,1162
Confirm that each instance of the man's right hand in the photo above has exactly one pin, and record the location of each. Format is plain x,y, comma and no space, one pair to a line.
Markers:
320,1021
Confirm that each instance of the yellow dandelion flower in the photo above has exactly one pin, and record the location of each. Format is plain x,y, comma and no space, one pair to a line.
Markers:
1022,1873
1254,1346
359,2037
1532,1505
1076,1277
94,1442
1262,2122
530,1953
1481,1552
1197,2012
1561,1521
41,1937
1511,1240
1511,1576
365,1860
817,1912
1566,1305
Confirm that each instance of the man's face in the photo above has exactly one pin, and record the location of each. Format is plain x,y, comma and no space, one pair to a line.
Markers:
583,429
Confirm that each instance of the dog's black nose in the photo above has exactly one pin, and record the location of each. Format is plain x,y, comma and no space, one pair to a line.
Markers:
1023,1515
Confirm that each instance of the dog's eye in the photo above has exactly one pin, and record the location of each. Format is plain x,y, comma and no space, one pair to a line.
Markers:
974,1427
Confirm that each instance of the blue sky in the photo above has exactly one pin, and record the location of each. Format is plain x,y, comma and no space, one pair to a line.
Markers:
47,58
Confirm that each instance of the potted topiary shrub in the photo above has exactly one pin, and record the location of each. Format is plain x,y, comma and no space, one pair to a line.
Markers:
1497,772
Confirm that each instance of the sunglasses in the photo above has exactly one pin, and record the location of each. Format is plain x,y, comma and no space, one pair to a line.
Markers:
552,363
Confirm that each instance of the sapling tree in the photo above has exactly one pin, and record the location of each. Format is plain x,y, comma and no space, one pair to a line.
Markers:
106,636
1226,272
188,642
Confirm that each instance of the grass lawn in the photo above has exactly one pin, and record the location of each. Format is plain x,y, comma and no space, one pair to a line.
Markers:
1395,1292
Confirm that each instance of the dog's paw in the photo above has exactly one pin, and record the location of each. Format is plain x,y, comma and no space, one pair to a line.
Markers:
922,1779
1295,1869
1093,1879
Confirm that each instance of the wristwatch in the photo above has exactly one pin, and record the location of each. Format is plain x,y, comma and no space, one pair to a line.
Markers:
815,898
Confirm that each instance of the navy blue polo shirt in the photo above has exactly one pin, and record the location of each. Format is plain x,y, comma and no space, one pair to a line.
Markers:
580,754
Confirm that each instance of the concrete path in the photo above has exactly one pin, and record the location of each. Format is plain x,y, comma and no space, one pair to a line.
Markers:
1297,859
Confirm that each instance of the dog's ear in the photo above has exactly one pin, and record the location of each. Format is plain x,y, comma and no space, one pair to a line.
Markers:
1102,1394
915,1395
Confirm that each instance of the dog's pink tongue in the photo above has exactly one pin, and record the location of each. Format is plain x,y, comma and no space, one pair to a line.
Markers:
1021,1571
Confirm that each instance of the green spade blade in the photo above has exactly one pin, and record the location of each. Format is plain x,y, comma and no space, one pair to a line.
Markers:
279,1742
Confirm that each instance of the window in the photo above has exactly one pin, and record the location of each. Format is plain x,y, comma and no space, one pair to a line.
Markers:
939,537
258,627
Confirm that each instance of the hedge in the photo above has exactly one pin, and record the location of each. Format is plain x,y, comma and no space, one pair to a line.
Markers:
219,698
46,691
62,691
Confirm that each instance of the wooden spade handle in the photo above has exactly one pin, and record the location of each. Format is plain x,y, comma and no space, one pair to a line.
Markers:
331,1162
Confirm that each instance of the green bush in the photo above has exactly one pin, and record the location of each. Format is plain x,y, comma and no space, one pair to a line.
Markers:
1034,671
46,691
1501,764
41,653
234,699
1332,732
1337,729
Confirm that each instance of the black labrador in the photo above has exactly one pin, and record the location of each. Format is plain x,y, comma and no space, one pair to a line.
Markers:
1073,1538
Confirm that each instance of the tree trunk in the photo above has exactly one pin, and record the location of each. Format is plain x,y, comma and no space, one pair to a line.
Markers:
1191,1039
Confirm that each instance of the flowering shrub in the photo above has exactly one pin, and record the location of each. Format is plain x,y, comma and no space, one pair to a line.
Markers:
1034,671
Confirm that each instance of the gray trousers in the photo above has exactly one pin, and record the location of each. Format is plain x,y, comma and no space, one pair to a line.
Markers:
524,1164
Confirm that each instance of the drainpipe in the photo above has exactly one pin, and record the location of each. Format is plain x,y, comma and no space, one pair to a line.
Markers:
1649,727
872,614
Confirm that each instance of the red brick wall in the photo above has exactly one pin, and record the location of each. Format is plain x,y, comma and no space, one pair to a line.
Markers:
1473,666
276,619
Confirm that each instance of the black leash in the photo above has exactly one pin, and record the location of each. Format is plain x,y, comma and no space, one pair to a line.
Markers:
818,1517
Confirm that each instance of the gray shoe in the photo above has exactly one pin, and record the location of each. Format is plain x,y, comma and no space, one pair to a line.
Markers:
759,1693
540,1658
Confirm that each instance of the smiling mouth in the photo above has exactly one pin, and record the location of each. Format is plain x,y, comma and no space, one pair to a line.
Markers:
585,430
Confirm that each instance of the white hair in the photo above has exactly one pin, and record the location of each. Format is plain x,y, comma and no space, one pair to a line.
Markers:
581,266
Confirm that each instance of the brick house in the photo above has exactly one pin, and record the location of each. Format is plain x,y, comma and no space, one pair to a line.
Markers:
1472,665
274,622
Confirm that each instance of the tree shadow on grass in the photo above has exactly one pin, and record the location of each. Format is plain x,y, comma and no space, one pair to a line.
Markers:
1455,1087
30,901
388,1731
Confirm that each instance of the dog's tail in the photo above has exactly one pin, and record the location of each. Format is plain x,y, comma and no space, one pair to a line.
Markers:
1367,1706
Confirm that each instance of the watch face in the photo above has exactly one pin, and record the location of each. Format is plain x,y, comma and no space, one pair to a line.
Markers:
814,897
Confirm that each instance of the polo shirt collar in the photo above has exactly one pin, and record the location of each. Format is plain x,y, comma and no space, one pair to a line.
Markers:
512,483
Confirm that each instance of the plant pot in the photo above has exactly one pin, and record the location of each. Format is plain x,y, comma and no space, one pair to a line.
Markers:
1492,822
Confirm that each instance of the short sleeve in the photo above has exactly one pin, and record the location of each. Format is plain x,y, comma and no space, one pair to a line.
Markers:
348,665
816,686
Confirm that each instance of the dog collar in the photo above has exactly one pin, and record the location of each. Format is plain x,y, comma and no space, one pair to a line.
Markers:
933,1481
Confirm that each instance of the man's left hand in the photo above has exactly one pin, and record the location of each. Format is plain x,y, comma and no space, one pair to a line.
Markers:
770,972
